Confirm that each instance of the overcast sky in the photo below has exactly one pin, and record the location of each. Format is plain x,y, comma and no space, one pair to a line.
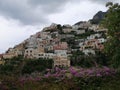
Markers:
21,18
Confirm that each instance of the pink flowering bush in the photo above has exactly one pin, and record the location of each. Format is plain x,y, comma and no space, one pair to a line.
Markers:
58,74
91,72
78,79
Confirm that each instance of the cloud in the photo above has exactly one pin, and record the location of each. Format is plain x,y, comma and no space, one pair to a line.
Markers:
30,11
77,11
21,11
103,1
12,33
49,6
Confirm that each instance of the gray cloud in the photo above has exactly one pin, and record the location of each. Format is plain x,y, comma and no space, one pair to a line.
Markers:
20,11
103,1
35,11
49,6
30,11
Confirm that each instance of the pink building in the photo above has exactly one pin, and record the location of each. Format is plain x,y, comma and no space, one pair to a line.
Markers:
100,46
61,46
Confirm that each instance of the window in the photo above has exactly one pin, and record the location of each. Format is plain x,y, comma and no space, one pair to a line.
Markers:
26,51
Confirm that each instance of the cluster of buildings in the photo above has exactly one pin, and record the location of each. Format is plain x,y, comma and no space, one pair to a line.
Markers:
48,43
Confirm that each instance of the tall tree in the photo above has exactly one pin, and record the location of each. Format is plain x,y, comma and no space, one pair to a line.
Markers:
112,23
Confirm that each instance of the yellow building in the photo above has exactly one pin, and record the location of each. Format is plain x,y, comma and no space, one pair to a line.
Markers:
61,61
8,56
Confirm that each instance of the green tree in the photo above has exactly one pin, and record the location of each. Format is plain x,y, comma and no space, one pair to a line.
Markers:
37,65
112,23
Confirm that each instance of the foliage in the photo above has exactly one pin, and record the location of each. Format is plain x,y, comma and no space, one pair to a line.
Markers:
101,59
82,61
79,59
18,66
11,66
82,79
112,23
37,65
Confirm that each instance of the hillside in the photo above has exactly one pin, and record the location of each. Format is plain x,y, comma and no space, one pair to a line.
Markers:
60,42
83,56
97,18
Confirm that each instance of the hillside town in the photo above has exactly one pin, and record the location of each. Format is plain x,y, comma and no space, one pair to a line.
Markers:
63,55
59,42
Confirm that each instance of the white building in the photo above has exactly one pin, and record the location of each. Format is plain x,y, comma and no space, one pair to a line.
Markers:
67,30
32,42
44,55
30,53
80,31
94,27
60,52
102,40
93,36
88,51
82,25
